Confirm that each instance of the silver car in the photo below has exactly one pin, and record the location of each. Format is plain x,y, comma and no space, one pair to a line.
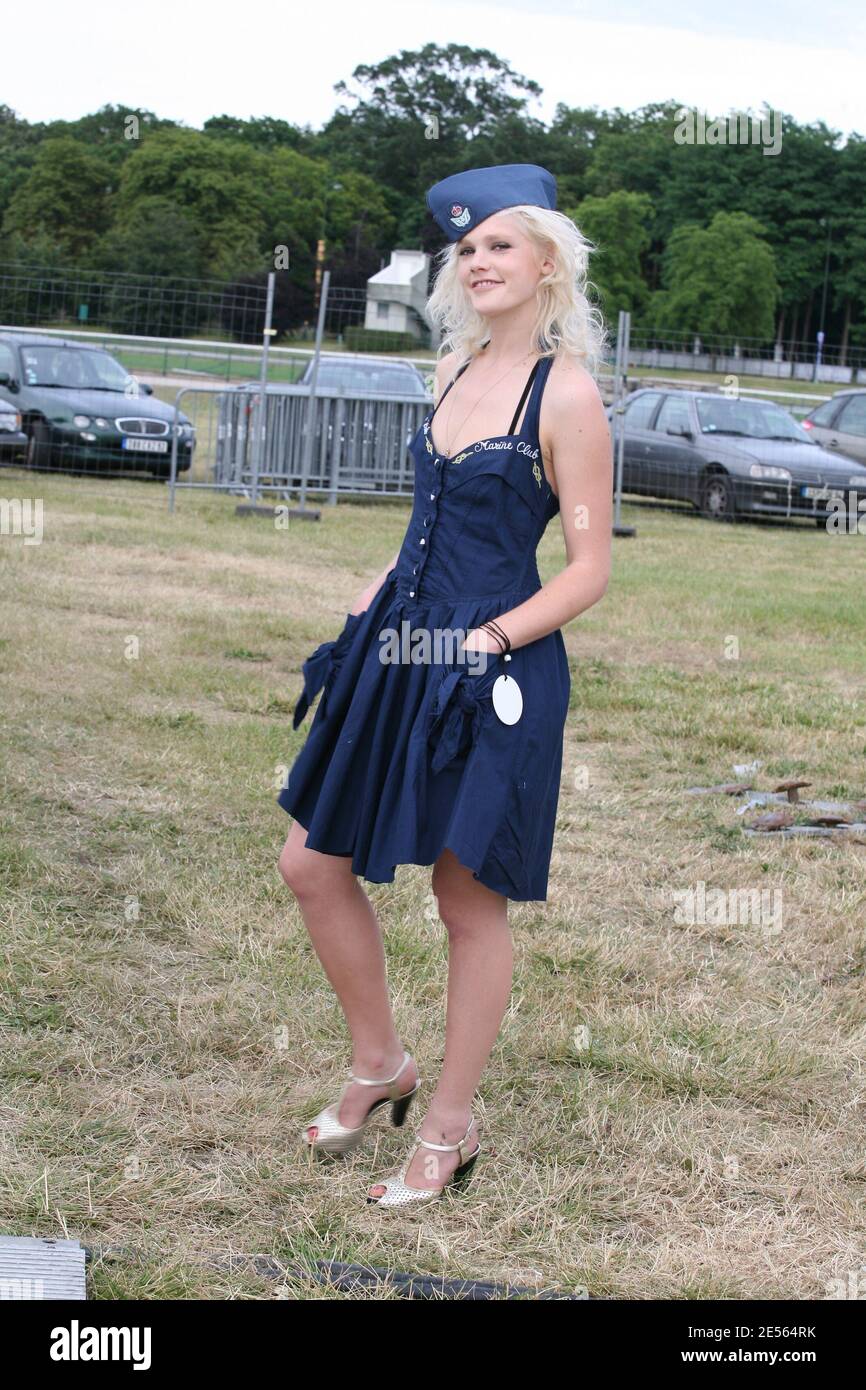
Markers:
840,424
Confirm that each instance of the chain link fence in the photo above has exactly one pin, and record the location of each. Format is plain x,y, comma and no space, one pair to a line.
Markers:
333,422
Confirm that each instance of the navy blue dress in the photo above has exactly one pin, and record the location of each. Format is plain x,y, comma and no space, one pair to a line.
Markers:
404,759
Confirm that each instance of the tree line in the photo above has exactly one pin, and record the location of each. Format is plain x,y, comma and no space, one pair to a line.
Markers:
694,236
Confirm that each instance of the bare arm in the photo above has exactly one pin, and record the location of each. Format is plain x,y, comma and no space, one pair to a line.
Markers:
364,599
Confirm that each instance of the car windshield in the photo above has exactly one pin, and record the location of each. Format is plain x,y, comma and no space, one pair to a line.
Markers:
339,376
755,419
80,369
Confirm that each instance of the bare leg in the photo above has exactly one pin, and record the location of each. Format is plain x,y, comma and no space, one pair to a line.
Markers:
480,968
345,934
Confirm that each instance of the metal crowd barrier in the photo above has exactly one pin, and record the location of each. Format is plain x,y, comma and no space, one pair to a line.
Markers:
360,443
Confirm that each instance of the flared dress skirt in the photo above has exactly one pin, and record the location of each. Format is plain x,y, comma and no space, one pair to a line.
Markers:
406,757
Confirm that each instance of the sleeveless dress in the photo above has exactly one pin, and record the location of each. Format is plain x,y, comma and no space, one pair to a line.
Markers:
406,758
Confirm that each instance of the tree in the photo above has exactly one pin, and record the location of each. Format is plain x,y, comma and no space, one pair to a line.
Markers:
719,279
113,131
156,238
65,193
619,225
570,145
213,181
423,113
262,133
847,230
153,261
247,186
790,193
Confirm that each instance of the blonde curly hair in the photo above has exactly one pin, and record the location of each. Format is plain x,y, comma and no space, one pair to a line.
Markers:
566,321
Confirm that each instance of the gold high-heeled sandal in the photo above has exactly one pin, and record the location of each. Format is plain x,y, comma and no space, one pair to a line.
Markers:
397,1192
335,1138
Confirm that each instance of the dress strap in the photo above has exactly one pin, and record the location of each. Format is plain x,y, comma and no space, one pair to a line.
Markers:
458,373
526,390
541,371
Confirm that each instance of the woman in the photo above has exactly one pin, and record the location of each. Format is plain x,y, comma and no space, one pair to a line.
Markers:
454,760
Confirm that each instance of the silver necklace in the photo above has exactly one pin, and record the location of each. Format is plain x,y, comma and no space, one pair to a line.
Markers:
481,398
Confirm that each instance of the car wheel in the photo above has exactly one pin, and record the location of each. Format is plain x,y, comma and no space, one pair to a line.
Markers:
822,519
39,445
717,497
163,470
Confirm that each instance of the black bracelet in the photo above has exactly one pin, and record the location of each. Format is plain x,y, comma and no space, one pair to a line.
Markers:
493,627
498,631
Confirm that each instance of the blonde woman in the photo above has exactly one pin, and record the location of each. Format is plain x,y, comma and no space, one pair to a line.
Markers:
438,736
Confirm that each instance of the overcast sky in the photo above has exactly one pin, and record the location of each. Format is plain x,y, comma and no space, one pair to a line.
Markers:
191,60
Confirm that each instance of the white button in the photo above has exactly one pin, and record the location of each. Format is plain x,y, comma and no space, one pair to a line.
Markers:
411,593
422,542
432,496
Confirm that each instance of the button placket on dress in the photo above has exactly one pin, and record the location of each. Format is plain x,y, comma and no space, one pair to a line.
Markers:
428,521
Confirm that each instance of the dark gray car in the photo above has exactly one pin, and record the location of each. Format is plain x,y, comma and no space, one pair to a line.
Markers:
732,457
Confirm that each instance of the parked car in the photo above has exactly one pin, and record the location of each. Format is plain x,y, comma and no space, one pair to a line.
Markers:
840,424
731,457
80,407
356,375
13,440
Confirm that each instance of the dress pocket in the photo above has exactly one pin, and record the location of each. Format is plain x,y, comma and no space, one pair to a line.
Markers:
321,667
509,853
459,708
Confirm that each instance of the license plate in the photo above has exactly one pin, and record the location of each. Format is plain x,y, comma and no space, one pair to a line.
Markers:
823,493
145,446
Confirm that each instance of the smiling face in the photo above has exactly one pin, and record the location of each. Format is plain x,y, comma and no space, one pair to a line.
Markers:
499,266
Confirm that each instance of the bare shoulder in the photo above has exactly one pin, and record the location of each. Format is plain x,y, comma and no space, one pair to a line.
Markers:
573,422
445,369
572,390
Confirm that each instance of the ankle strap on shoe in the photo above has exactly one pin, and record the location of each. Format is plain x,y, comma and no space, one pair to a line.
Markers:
384,1080
461,1144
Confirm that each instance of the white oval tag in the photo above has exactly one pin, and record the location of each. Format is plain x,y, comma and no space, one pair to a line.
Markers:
507,699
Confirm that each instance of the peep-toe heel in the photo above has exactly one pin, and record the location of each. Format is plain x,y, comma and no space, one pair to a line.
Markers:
399,1194
338,1140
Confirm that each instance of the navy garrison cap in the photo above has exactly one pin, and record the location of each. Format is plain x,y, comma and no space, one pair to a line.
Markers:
461,201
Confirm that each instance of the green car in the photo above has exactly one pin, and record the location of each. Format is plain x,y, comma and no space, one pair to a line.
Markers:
80,408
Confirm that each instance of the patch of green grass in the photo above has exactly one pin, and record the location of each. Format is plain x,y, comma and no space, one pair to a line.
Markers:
243,654
184,720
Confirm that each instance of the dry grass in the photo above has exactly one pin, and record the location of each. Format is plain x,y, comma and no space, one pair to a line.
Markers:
167,1027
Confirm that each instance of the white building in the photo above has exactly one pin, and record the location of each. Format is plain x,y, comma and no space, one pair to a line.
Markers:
397,293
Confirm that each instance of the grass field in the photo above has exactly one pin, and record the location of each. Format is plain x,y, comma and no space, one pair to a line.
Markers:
670,1111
